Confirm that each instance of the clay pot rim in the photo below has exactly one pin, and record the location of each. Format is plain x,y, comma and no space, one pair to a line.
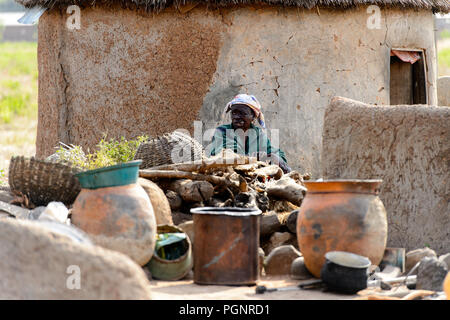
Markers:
369,186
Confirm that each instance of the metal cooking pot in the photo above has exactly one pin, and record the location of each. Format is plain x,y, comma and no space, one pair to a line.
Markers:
345,272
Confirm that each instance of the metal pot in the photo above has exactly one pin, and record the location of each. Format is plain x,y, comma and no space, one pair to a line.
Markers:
226,245
345,272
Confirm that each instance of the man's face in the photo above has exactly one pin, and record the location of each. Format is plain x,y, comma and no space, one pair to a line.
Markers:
241,116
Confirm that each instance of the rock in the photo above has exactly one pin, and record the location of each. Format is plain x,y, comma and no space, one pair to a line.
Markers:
291,221
261,256
272,171
6,196
193,191
281,238
280,259
431,274
188,228
26,274
286,189
174,199
161,206
262,201
269,224
246,199
414,256
299,271
180,217
445,258
283,206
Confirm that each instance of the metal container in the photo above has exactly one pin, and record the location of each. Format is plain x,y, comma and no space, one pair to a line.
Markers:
345,272
341,215
226,245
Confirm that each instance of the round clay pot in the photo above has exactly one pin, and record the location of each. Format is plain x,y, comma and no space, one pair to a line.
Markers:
119,218
341,215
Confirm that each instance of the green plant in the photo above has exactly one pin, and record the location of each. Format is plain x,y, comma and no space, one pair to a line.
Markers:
108,153
445,34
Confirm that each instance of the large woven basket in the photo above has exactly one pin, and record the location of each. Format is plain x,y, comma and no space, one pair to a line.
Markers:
158,151
43,181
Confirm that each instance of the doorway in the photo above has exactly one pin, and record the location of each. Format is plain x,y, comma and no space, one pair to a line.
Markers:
407,77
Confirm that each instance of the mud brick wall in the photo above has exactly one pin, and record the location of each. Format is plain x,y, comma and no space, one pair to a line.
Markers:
406,146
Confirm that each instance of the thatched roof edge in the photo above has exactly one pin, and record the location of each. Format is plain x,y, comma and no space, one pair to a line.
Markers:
442,6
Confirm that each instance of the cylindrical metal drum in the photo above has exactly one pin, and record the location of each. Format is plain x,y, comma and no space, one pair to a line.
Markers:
226,245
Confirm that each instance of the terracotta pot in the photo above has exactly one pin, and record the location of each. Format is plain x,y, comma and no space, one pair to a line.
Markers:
341,215
119,218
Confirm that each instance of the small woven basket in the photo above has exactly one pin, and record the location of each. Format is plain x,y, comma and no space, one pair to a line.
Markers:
158,151
43,181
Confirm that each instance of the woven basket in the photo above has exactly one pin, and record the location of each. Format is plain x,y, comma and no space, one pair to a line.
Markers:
42,181
158,151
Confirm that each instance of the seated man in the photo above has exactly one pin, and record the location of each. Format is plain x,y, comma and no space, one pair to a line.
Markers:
243,137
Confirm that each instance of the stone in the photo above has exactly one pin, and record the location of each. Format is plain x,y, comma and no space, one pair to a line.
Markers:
180,217
415,176
286,189
431,274
174,199
445,258
188,228
193,191
291,221
299,270
269,224
261,256
245,199
414,256
40,264
160,204
282,206
279,261
6,196
281,238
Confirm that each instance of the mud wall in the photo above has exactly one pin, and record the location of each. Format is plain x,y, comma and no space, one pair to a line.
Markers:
406,146
128,73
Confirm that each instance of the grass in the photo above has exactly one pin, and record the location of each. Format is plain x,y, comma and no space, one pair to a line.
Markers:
444,62
19,74
18,102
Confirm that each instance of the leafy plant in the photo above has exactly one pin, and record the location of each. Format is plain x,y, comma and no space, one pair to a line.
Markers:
108,153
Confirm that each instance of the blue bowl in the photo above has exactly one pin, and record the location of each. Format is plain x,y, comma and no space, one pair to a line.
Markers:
120,174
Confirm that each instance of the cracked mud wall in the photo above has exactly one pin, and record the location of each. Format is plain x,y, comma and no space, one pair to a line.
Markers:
124,72
130,73
406,146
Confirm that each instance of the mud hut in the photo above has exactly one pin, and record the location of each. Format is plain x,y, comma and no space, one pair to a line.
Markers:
134,67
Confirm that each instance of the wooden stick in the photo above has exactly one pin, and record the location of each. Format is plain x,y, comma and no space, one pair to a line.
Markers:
206,164
169,174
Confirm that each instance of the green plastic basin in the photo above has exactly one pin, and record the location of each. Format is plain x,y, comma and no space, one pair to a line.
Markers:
120,174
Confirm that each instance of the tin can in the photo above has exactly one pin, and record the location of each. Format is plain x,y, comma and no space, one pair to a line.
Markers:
226,245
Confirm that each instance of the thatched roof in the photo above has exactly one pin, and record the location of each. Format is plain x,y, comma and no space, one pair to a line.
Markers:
442,6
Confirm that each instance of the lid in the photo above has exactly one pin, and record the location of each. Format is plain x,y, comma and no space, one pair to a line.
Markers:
228,211
348,259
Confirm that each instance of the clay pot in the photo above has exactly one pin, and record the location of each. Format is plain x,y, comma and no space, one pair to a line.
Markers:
119,218
341,215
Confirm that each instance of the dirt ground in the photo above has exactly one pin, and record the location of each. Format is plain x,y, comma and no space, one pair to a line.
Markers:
186,289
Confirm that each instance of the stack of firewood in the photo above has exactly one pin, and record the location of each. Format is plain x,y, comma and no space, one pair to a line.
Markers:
227,180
